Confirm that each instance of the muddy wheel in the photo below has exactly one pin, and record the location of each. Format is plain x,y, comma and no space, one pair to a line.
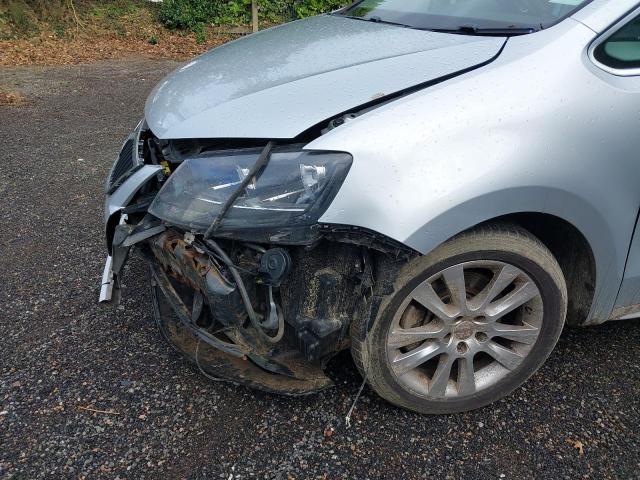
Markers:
466,324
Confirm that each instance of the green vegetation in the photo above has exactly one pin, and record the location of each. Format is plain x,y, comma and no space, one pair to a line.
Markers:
188,14
19,18
22,16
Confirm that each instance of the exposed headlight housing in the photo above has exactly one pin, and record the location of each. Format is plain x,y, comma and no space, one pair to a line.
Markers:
294,189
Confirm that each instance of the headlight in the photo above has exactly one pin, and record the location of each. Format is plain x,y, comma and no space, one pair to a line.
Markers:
294,189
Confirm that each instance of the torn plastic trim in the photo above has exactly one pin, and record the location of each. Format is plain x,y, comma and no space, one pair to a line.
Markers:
367,238
133,234
124,237
112,267
181,310
121,198
182,263
307,379
108,281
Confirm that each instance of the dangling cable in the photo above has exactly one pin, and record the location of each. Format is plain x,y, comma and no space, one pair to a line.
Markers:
262,162
253,316
210,377
257,168
347,419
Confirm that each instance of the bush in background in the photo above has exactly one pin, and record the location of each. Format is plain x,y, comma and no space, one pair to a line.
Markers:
309,8
24,18
189,14
20,18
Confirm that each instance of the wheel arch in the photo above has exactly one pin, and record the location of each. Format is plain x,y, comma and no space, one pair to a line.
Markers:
572,251
572,228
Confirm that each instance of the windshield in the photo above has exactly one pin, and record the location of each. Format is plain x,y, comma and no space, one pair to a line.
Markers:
467,14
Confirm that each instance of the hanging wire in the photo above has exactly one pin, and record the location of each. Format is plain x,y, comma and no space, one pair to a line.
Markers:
347,419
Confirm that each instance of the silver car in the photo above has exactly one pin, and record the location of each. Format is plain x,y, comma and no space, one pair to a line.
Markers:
436,185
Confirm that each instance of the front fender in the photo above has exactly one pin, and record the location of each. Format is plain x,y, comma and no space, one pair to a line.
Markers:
511,137
609,253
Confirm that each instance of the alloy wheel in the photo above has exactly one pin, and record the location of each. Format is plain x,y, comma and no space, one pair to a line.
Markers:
464,329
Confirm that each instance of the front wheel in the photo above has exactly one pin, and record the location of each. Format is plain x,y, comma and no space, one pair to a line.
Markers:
466,324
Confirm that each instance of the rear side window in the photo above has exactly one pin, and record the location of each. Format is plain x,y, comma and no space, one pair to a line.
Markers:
621,50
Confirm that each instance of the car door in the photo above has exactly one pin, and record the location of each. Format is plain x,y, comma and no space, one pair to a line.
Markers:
628,302
617,52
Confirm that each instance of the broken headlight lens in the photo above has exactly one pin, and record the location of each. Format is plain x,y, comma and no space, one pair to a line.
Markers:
294,189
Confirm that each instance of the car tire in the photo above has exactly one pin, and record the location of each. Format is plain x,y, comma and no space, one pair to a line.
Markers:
484,366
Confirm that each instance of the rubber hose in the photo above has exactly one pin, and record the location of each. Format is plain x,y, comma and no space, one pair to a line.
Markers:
253,317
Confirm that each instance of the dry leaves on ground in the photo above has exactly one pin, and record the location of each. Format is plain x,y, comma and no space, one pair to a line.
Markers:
47,49
11,98
98,38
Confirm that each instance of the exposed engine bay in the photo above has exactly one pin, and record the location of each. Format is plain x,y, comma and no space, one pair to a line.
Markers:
304,300
263,308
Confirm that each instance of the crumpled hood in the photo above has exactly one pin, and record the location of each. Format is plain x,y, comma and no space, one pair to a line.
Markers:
282,81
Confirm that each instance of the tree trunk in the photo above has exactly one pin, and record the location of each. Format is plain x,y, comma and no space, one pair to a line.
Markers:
254,15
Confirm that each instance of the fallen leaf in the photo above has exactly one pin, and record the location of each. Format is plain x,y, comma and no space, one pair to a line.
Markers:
577,444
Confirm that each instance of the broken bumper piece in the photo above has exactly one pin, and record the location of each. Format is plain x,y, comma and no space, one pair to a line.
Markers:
296,377
200,313
265,316
305,299
226,306
108,281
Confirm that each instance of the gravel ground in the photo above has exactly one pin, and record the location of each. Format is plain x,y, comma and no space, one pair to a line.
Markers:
62,352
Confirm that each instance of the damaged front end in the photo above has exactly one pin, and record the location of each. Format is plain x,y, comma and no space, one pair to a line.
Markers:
246,282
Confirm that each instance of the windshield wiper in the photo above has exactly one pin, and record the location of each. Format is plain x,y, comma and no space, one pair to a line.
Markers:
375,19
461,30
498,32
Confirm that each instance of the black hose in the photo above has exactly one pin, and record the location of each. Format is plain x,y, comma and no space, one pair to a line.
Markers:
262,162
253,316
213,254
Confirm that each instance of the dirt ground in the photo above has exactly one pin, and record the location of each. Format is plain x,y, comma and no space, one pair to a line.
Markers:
47,49
101,31
88,391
